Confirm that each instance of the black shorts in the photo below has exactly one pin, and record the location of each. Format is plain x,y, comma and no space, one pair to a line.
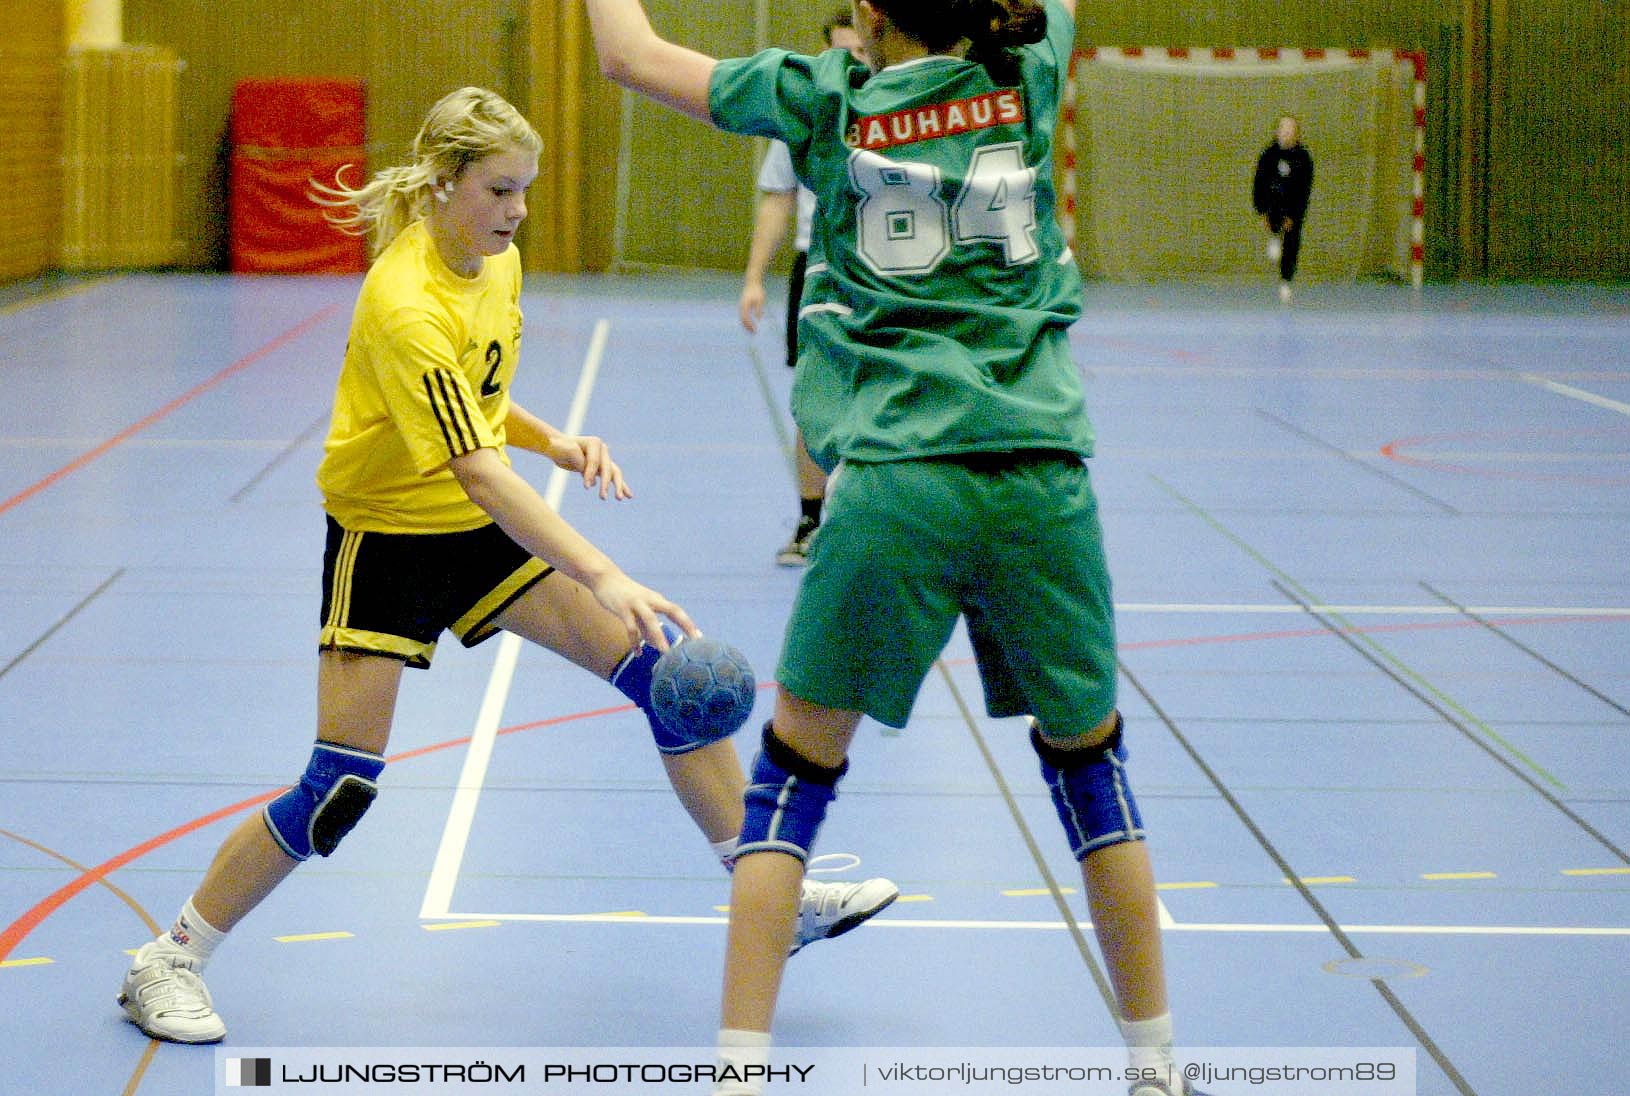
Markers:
392,594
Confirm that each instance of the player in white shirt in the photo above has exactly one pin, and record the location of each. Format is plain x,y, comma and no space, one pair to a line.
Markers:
783,200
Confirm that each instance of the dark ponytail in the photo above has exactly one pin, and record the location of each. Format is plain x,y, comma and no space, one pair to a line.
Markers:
997,28
994,27
1005,24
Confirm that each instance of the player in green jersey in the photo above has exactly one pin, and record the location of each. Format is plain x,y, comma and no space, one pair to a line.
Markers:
935,380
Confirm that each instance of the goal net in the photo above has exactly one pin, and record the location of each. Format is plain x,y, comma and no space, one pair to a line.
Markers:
1159,147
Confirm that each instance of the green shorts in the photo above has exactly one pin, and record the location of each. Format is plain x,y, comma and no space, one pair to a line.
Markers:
393,594
1009,540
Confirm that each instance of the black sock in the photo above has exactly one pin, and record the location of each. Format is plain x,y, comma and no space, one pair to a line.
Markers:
810,509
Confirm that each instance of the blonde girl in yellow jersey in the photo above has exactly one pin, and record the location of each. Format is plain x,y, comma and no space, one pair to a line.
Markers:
431,530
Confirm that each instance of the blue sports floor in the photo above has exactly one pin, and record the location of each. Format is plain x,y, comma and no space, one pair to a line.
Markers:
1372,564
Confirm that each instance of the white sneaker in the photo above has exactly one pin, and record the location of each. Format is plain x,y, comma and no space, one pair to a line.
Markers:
1276,248
167,999
1284,292
1160,1088
795,553
832,909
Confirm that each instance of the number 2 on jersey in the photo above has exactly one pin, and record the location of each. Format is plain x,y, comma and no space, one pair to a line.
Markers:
905,227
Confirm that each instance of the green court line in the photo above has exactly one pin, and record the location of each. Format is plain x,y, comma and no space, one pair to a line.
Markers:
782,435
1358,634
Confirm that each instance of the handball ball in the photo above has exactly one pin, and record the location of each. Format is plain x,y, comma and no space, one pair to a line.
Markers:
703,689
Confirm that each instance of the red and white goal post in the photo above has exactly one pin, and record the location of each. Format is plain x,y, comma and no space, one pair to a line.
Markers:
1158,146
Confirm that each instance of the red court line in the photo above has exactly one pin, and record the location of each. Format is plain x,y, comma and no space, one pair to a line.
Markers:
29,921
1397,450
186,397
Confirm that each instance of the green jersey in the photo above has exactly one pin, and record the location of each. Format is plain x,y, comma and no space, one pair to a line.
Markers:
940,289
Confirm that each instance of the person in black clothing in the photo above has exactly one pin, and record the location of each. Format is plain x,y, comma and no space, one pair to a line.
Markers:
1284,181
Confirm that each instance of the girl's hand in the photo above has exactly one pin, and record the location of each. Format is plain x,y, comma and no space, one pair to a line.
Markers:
641,609
750,306
590,457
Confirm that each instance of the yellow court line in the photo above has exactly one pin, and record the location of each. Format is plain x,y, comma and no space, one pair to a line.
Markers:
1596,871
1315,880
72,290
446,926
40,962
305,937
1184,886
1437,875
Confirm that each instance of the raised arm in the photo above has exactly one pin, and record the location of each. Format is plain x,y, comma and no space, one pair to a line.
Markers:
633,55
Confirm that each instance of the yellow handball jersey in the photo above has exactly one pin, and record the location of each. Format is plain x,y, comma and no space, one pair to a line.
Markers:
426,378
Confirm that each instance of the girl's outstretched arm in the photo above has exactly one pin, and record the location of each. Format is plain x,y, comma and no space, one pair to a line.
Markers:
533,524
632,54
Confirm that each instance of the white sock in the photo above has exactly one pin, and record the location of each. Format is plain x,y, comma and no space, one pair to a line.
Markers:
1149,1045
193,936
726,851
739,1049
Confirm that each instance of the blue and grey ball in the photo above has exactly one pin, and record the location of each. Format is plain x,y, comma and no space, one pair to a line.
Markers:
703,689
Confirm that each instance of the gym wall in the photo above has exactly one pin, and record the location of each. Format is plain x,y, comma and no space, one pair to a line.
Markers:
1528,174
1528,171
409,52
31,81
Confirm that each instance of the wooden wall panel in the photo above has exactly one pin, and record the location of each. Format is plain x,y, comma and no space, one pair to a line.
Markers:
1559,141
689,188
1536,178
570,227
1331,23
31,80
119,158
409,53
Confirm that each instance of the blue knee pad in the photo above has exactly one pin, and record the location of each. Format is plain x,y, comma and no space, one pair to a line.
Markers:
632,677
336,790
1091,792
786,800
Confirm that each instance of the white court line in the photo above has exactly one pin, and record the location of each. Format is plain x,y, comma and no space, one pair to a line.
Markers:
1060,926
455,835
1290,609
1577,393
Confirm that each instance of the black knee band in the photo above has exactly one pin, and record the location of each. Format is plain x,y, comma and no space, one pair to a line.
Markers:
1065,759
1091,793
785,801
793,763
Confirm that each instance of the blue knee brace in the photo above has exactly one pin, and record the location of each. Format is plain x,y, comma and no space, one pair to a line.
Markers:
1090,791
632,677
786,800
336,790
